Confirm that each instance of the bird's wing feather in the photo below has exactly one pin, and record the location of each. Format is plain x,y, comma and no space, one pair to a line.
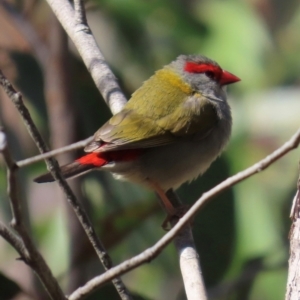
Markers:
144,124
128,130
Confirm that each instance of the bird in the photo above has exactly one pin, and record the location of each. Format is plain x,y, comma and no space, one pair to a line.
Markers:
169,132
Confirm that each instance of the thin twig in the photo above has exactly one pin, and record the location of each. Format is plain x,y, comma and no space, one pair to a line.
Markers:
71,147
26,248
153,251
14,241
56,173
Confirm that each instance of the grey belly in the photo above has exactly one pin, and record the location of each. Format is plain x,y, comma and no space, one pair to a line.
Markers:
180,162
171,165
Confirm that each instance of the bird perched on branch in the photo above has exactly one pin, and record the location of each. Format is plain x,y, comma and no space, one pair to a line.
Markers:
170,131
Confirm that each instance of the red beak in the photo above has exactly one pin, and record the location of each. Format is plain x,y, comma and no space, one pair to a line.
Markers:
228,78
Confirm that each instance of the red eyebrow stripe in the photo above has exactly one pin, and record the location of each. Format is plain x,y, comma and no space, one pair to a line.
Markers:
192,67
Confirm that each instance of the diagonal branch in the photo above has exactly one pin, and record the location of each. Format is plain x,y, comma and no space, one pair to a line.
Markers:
81,35
71,147
53,167
14,241
154,251
25,246
59,102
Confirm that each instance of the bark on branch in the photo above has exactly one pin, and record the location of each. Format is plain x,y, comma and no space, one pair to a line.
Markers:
293,282
23,242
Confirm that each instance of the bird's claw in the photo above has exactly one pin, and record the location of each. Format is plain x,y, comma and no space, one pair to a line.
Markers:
173,218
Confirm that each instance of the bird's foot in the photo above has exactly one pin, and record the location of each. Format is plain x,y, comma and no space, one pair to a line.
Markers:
173,218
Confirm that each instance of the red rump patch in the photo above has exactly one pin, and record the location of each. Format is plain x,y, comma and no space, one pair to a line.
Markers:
92,159
193,67
99,159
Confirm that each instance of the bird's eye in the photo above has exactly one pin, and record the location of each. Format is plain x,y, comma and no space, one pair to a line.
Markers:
210,74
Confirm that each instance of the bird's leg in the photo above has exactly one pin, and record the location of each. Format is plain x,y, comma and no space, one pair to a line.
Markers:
174,210
180,208
171,210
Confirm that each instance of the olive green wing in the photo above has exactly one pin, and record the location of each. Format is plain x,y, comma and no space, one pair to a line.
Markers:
128,129
156,116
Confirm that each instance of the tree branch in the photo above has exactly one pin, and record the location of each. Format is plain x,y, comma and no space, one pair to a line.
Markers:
293,282
190,264
153,251
189,260
85,43
56,173
25,246
13,240
71,147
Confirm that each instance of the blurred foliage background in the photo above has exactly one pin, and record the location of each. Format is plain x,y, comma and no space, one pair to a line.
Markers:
242,235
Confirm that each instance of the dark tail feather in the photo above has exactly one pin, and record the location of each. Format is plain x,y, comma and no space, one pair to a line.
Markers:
71,170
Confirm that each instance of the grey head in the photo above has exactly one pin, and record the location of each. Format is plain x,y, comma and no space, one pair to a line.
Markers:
204,75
